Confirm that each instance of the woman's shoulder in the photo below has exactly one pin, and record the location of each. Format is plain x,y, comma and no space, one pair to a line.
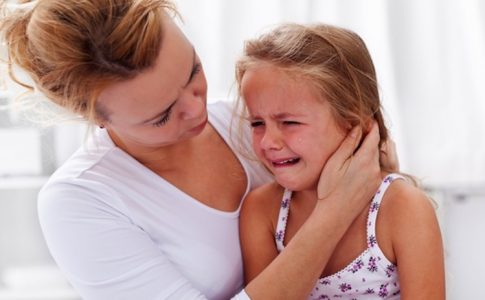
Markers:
90,177
222,110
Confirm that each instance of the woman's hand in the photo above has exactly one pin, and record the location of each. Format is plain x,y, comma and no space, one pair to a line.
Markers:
350,177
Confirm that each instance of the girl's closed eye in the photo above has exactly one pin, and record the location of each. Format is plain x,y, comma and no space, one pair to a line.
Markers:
255,124
291,122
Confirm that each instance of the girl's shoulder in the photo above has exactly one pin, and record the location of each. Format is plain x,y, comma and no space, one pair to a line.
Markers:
403,195
405,208
269,192
264,200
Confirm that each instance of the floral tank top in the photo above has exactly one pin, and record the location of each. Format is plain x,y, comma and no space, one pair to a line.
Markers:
369,276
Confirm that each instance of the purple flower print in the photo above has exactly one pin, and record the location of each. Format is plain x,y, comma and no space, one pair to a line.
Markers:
374,206
325,281
344,287
390,269
285,203
388,179
323,297
383,292
372,264
369,291
357,266
372,241
279,235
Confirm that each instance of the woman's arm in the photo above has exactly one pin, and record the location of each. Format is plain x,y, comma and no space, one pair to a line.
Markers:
347,184
417,244
102,253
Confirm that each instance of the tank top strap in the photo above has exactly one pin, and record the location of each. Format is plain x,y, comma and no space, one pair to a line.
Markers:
282,220
375,205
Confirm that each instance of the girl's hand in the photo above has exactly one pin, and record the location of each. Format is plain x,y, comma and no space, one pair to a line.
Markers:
352,178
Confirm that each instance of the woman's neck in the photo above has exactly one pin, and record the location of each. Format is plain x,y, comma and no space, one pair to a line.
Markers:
163,158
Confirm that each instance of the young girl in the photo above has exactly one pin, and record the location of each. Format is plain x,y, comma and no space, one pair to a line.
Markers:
304,88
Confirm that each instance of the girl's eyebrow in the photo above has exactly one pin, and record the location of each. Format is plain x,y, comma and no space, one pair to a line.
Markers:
284,115
276,116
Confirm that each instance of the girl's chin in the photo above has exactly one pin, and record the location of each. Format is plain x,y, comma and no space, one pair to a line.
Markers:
297,186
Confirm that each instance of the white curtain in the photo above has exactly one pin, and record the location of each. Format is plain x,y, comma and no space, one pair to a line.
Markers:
429,55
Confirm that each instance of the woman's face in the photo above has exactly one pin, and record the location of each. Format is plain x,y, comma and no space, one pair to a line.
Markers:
163,105
293,129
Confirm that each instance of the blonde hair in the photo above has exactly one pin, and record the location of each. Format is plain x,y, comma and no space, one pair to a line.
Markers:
334,60
73,49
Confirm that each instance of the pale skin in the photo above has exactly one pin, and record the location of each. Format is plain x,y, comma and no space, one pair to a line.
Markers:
293,135
160,119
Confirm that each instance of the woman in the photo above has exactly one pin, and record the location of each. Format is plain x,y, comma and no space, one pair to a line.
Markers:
148,209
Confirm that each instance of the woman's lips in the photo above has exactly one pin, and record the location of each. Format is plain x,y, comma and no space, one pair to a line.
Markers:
199,127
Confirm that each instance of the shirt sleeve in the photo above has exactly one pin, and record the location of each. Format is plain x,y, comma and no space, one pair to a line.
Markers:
241,296
102,252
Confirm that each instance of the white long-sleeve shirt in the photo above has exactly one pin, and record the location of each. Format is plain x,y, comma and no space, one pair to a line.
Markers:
119,231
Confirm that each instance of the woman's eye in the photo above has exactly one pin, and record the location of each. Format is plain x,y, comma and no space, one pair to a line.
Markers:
196,70
163,119
291,123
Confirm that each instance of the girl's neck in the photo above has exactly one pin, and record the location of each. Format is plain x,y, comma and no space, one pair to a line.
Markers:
306,197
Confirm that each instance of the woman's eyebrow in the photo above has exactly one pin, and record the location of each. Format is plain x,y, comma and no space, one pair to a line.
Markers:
194,62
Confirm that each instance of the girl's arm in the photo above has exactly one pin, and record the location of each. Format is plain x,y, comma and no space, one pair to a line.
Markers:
347,184
417,244
257,230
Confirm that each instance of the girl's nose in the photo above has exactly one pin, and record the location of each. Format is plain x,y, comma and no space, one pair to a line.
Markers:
271,139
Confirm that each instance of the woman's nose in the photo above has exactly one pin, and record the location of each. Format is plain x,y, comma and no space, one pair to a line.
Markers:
192,105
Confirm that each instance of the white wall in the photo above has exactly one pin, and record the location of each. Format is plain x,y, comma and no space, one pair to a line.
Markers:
430,60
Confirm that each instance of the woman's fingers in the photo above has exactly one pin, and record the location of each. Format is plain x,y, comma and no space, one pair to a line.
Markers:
348,146
369,147
388,156
332,171
352,175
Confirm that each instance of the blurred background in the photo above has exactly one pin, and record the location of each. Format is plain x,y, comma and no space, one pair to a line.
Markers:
430,60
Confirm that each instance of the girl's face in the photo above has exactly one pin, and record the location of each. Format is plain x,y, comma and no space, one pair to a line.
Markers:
163,105
293,130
